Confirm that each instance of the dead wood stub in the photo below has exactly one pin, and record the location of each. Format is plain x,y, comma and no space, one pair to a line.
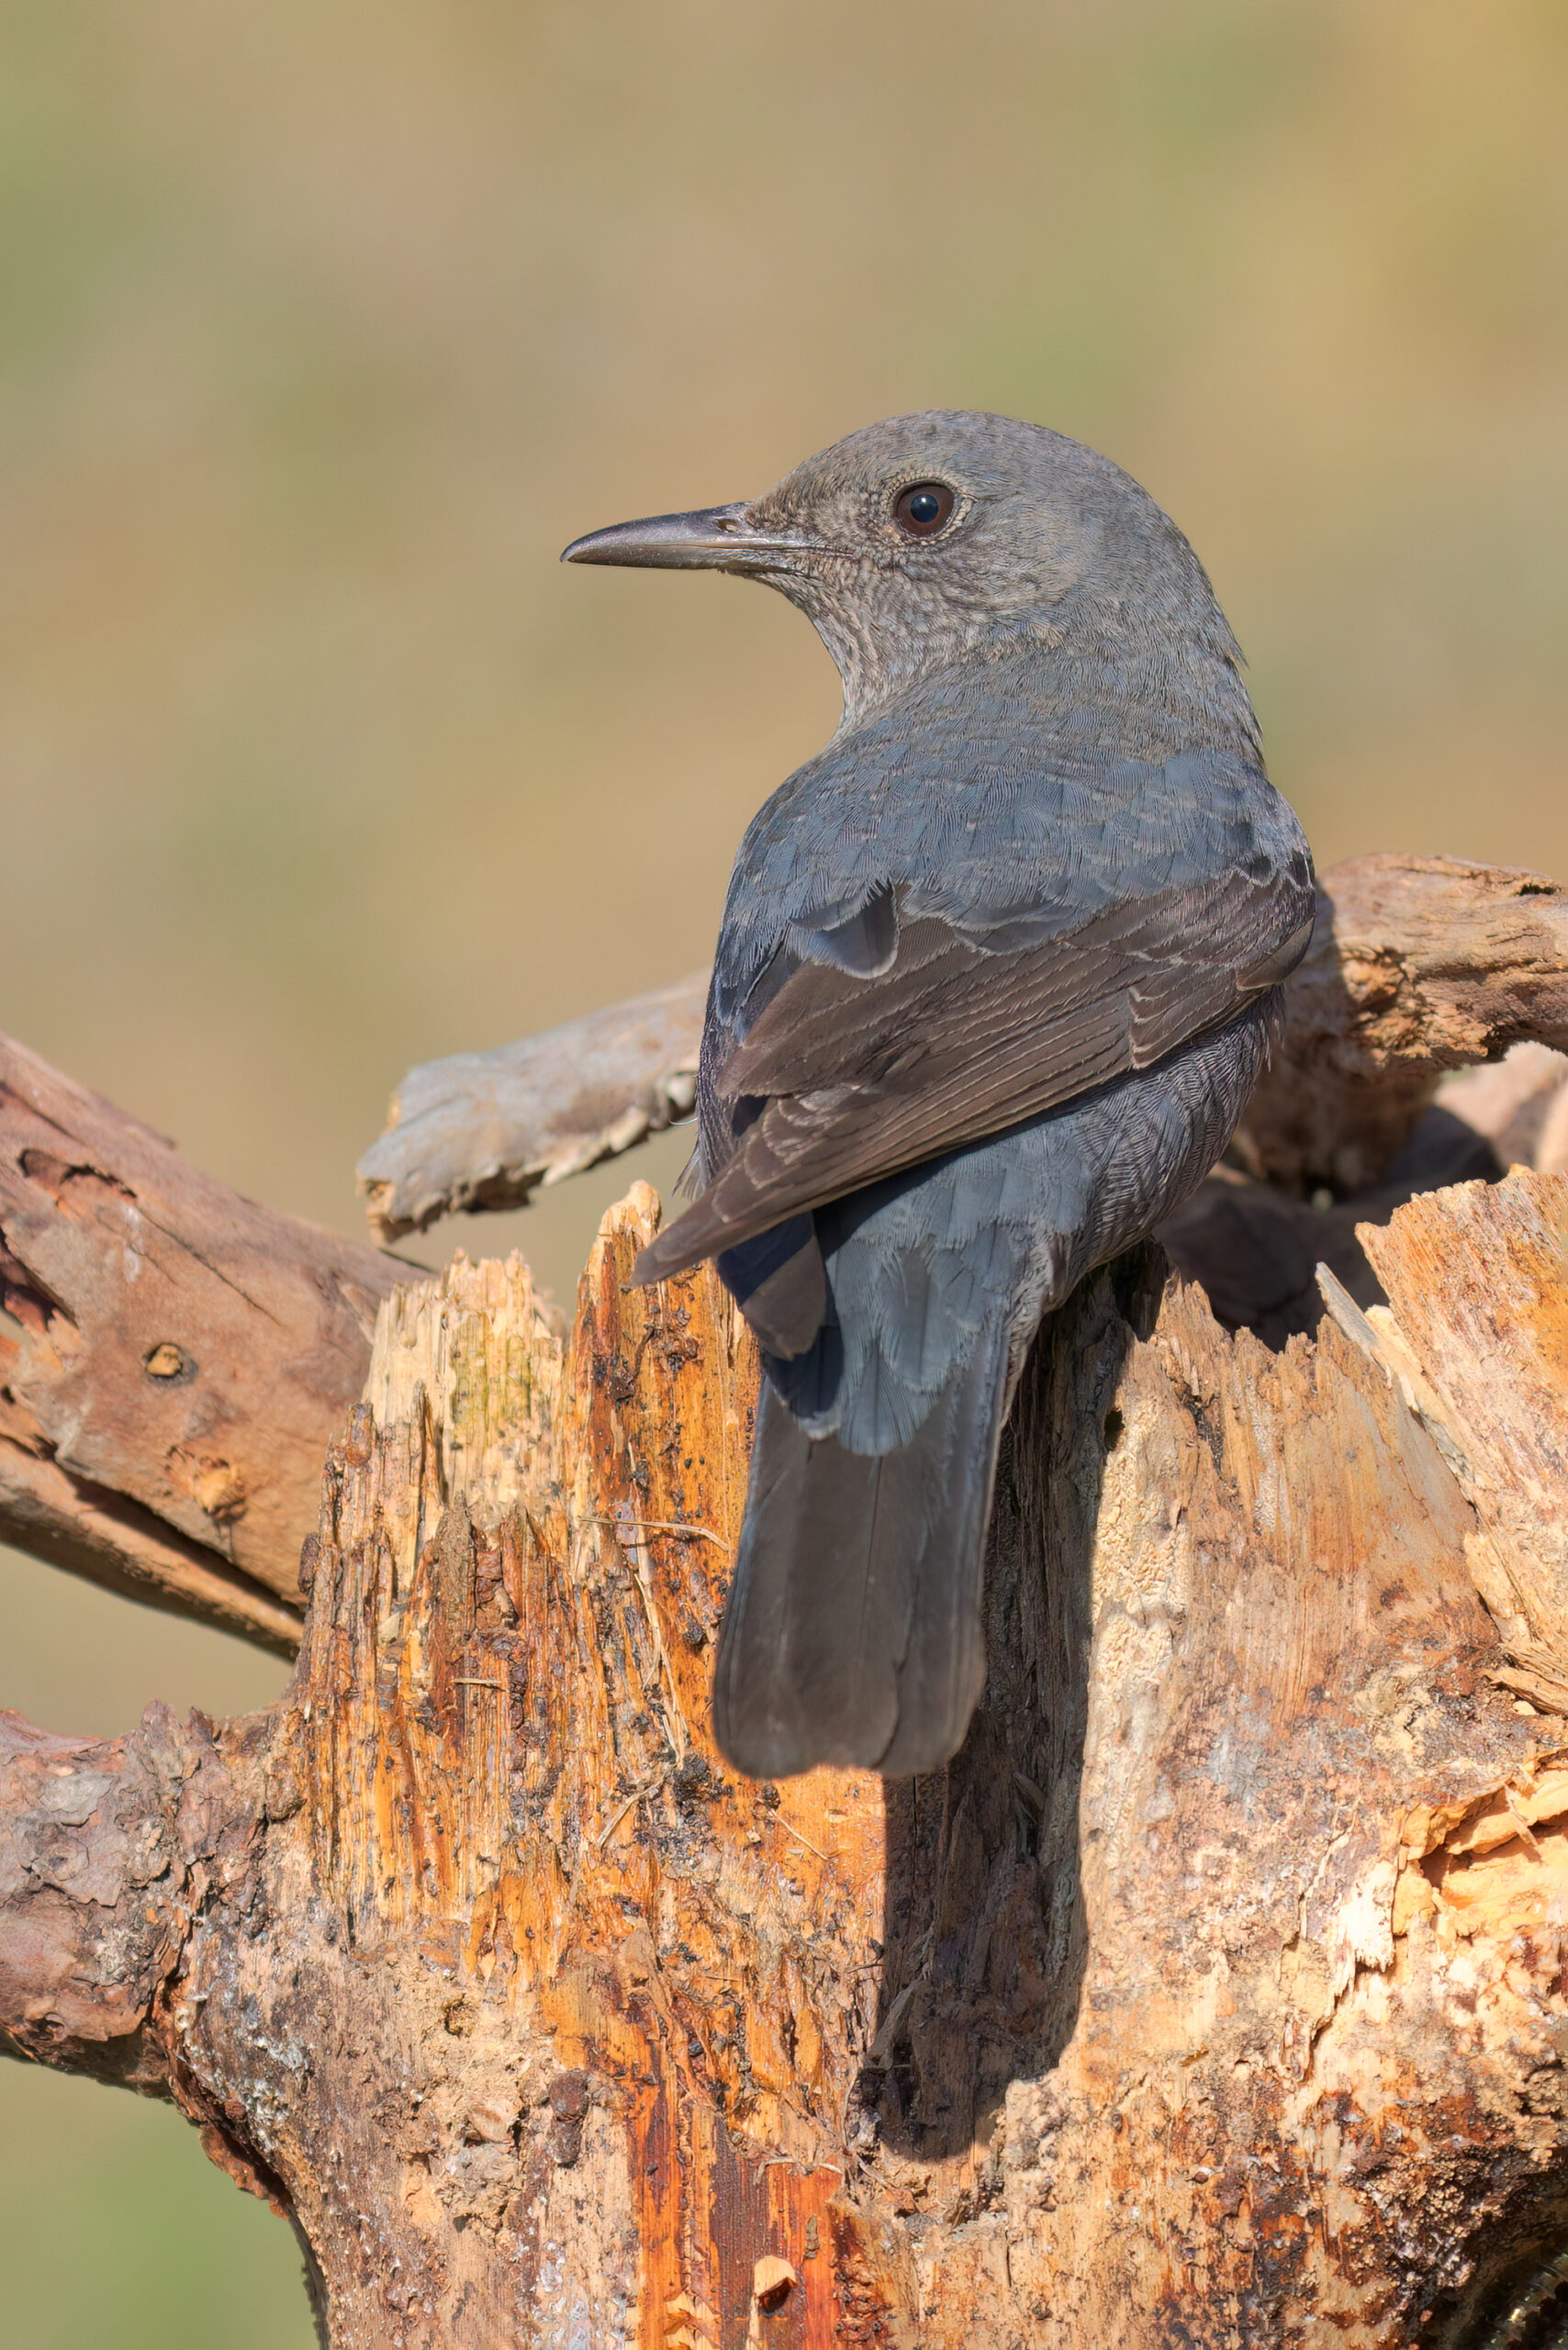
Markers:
510,1801
180,1356
1217,1995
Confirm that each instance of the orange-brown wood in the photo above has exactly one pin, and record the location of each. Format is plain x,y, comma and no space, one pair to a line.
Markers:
1216,1994
501,1724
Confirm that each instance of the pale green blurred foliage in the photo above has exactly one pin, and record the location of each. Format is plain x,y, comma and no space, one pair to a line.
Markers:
324,327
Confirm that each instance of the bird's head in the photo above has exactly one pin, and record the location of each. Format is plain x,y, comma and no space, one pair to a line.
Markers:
928,538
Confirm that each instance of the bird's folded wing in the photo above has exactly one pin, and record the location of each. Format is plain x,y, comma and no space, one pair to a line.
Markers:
843,1077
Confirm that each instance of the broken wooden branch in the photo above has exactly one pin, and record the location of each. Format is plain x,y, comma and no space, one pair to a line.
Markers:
1419,965
180,1357
162,1435
480,1131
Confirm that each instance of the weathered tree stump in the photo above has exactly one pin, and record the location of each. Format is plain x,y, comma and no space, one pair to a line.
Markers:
1216,1994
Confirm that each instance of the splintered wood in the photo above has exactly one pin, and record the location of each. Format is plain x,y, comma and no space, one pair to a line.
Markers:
1217,1995
1477,1283
629,1987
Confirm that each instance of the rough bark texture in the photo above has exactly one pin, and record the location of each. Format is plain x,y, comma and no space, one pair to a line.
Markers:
1419,965
181,1358
1216,1994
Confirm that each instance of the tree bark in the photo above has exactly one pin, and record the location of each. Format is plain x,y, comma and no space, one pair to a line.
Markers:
1215,1995
181,1357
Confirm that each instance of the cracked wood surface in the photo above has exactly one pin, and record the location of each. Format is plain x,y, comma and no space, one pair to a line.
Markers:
1476,1331
1216,1994
478,1131
180,1357
1419,965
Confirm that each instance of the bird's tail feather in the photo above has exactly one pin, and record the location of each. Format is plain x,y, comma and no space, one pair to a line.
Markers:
852,1634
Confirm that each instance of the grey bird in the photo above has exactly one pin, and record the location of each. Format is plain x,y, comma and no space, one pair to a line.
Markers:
997,973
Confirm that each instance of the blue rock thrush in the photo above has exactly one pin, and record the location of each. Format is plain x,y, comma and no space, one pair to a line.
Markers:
997,973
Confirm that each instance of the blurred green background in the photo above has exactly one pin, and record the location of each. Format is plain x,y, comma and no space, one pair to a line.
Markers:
323,327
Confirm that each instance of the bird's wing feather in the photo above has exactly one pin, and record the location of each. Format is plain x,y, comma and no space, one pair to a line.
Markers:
840,1078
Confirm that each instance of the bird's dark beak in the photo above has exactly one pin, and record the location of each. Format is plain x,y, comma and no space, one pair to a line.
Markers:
716,538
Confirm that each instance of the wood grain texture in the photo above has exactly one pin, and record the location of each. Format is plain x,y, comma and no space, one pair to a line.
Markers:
1476,1328
1419,965
179,1357
479,1131
1216,1994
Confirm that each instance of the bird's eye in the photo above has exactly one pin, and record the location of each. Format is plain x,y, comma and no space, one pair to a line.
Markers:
922,507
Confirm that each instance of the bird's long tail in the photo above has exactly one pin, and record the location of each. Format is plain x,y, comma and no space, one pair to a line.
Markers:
853,1633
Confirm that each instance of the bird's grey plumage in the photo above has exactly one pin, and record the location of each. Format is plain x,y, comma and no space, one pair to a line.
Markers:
995,980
